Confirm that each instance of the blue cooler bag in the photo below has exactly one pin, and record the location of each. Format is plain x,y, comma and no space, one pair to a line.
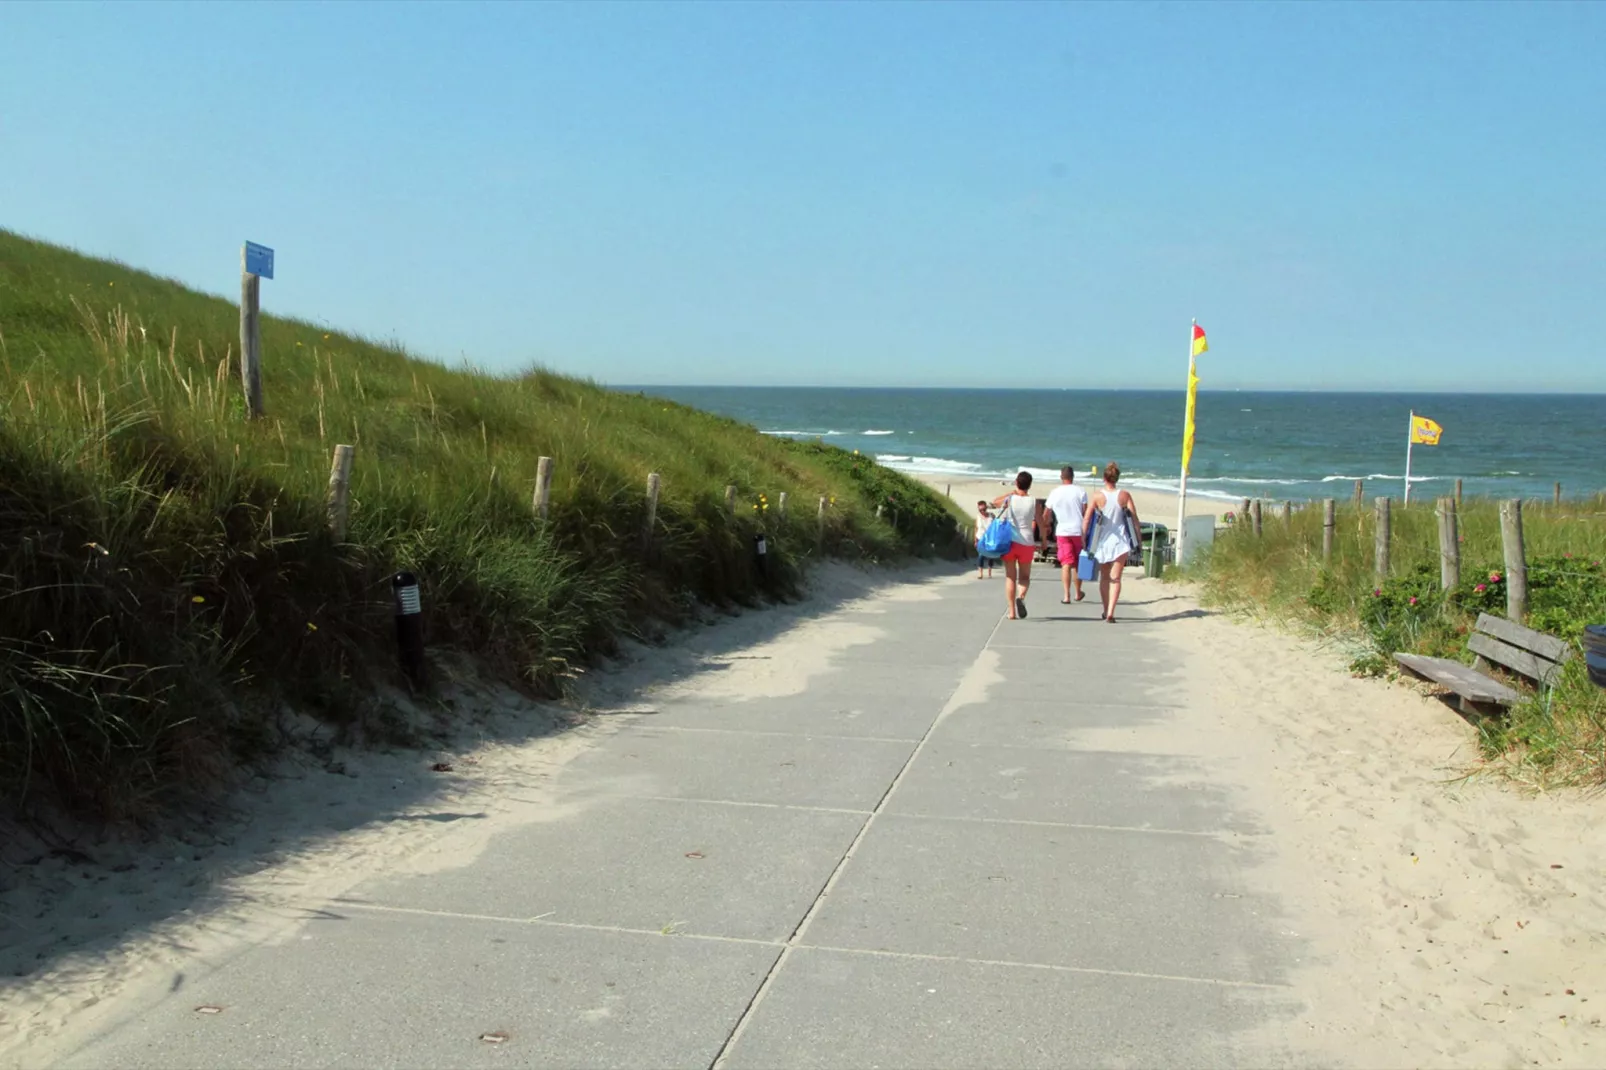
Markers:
1085,566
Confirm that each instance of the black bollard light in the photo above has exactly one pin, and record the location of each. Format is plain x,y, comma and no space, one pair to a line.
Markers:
409,625
761,550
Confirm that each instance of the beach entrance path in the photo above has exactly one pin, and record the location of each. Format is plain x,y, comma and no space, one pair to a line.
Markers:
919,836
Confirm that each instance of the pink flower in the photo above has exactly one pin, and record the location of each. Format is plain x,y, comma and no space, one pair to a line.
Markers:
1377,592
1568,556
1480,588
1413,600
1494,577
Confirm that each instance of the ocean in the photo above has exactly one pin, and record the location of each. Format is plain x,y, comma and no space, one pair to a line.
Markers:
1297,446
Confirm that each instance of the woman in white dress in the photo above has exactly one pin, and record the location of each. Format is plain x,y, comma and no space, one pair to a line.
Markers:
1111,541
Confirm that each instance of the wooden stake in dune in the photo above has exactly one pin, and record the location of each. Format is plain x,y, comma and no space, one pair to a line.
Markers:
1288,513
1380,544
1458,494
1516,559
1557,501
340,491
1449,545
780,507
1255,516
1243,511
819,531
653,483
1329,523
730,500
543,486
1360,492
256,264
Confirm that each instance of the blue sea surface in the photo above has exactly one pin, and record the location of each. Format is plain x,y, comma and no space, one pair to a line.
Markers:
1248,444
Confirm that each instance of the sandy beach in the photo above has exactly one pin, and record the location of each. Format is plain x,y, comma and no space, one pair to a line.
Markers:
1445,921
1154,506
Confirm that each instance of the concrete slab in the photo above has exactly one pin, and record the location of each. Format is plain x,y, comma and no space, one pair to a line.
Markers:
871,701
363,990
992,782
714,869
652,758
1138,902
1031,725
833,1009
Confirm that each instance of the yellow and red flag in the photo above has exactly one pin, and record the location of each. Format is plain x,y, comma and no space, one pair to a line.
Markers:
1424,432
1199,345
1193,393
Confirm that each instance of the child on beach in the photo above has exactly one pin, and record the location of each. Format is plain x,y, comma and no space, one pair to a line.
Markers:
983,519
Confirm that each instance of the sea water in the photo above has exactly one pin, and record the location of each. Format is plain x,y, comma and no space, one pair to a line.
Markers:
1296,446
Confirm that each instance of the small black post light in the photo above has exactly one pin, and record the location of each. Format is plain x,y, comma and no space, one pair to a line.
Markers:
761,550
409,625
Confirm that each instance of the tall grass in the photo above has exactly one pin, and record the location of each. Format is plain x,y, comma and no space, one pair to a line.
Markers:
1557,735
166,575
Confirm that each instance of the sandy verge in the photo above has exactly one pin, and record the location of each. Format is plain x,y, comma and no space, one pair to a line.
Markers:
96,926
1153,505
1450,921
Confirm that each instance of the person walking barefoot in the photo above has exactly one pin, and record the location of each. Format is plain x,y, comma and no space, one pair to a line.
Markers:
1111,535
1023,512
983,519
1068,503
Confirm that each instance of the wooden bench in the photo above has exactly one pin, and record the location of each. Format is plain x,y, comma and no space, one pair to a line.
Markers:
1497,641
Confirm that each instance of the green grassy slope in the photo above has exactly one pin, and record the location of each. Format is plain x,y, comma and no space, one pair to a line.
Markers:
165,570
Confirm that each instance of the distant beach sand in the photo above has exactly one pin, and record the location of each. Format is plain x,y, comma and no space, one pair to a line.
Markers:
1154,506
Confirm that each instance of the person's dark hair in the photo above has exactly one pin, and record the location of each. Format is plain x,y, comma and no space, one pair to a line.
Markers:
982,504
1068,474
1023,481
1112,472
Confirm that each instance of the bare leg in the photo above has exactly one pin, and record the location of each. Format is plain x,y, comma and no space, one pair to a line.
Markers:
1009,585
1067,572
1076,563
1116,567
1104,588
1025,580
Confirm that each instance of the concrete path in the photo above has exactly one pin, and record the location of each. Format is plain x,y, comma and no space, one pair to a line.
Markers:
912,863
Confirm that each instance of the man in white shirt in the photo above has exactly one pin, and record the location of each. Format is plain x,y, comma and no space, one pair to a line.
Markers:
1068,502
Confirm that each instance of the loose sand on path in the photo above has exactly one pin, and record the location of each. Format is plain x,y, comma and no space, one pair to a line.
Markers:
1449,922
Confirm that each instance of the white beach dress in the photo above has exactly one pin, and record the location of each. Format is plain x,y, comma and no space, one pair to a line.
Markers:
1114,539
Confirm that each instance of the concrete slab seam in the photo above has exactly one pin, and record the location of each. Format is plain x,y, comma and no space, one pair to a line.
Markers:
830,882
540,921
781,735
746,802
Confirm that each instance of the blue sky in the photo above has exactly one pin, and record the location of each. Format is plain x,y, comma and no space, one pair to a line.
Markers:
1365,196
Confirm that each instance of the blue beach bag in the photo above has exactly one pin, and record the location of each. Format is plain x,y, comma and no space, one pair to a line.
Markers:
1085,566
997,539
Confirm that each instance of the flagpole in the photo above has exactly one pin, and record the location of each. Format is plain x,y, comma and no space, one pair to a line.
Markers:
1410,440
1182,487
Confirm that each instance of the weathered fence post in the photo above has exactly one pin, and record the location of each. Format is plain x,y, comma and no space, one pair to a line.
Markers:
543,486
730,500
654,481
1288,513
340,491
1558,495
1329,522
1380,548
780,507
1449,545
878,508
1254,516
1516,559
250,339
1458,494
1360,492
1243,511
819,532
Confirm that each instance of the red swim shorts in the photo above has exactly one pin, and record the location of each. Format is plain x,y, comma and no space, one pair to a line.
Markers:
1070,549
1020,551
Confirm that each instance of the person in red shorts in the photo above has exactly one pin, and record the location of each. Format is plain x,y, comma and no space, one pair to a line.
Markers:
1023,512
1068,502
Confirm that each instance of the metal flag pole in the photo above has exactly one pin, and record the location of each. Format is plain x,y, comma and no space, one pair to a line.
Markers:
1410,440
1182,487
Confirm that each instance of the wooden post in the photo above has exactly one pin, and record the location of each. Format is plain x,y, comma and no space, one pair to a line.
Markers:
819,531
1360,492
1380,548
340,491
543,486
1243,510
1516,559
1449,545
250,339
730,500
780,506
950,490
1458,494
1254,516
1288,513
654,481
1329,522
878,511
1558,495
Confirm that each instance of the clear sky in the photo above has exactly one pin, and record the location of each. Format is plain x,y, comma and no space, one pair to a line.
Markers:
1363,196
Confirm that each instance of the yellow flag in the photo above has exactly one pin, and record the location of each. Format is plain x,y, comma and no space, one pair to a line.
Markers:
1187,423
1424,432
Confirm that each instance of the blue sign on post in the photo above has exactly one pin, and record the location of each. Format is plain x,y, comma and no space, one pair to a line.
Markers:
258,260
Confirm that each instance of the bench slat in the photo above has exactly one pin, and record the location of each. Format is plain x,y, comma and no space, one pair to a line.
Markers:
1534,668
1546,646
1465,682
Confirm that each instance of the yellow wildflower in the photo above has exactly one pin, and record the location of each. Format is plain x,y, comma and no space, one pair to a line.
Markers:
197,599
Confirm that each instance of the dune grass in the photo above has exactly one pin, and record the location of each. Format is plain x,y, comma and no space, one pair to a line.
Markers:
168,583
1558,735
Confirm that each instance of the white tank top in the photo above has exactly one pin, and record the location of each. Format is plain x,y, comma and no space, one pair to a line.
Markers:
1017,507
1112,506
